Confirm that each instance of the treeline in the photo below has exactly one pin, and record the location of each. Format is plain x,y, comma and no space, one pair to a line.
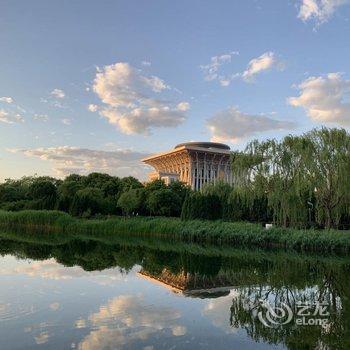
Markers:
301,182
93,195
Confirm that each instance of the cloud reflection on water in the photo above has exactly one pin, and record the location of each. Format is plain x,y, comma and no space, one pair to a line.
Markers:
127,319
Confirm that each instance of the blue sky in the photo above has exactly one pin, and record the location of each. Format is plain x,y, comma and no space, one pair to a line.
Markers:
96,85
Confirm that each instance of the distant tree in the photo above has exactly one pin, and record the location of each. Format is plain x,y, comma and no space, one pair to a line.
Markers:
75,178
66,192
44,194
87,202
129,182
11,191
131,201
163,202
180,188
222,190
96,180
155,185
201,206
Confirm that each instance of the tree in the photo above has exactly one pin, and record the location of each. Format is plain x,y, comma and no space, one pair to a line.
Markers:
163,202
44,193
201,206
304,178
87,202
129,182
131,201
180,188
328,163
66,192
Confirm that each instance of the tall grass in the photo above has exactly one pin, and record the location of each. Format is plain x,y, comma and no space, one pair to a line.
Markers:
212,232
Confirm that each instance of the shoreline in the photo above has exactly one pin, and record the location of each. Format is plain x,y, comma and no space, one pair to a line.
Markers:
235,234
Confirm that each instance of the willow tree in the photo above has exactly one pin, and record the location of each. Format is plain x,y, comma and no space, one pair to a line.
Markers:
270,169
304,178
328,172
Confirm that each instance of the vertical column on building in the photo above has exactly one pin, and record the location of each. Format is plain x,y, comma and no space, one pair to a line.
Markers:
192,173
205,170
197,172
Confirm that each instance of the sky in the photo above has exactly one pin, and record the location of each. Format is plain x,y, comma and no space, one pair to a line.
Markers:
97,85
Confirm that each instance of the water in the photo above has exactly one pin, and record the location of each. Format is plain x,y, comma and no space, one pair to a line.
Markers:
142,294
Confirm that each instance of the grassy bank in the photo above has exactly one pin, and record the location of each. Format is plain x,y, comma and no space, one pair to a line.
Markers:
213,232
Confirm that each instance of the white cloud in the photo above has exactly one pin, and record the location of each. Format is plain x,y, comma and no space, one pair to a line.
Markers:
50,269
66,121
54,306
67,160
211,70
325,99
8,118
6,99
264,62
231,125
183,106
58,93
127,319
146,63
41,117
319,10
130,101
218,311
92,107
42,338
139,121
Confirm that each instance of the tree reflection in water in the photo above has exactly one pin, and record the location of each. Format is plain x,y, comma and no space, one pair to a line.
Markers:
277,277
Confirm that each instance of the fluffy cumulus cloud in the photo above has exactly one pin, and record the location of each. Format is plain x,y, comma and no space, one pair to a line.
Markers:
325,99
319,10
231,125
140,120
10,118
6,99
266,61
262,63
67,160
128,319
131,100
58,93
212,71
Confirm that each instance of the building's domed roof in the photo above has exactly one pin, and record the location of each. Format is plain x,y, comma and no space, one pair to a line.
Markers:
204,145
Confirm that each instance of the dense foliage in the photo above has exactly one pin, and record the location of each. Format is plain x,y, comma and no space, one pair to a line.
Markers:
301,181
95,194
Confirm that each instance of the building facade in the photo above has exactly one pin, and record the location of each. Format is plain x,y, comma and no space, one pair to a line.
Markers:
194,163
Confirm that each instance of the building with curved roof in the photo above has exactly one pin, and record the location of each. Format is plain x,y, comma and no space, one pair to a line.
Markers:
194,163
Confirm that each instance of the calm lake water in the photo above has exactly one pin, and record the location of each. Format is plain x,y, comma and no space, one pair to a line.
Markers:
68,293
